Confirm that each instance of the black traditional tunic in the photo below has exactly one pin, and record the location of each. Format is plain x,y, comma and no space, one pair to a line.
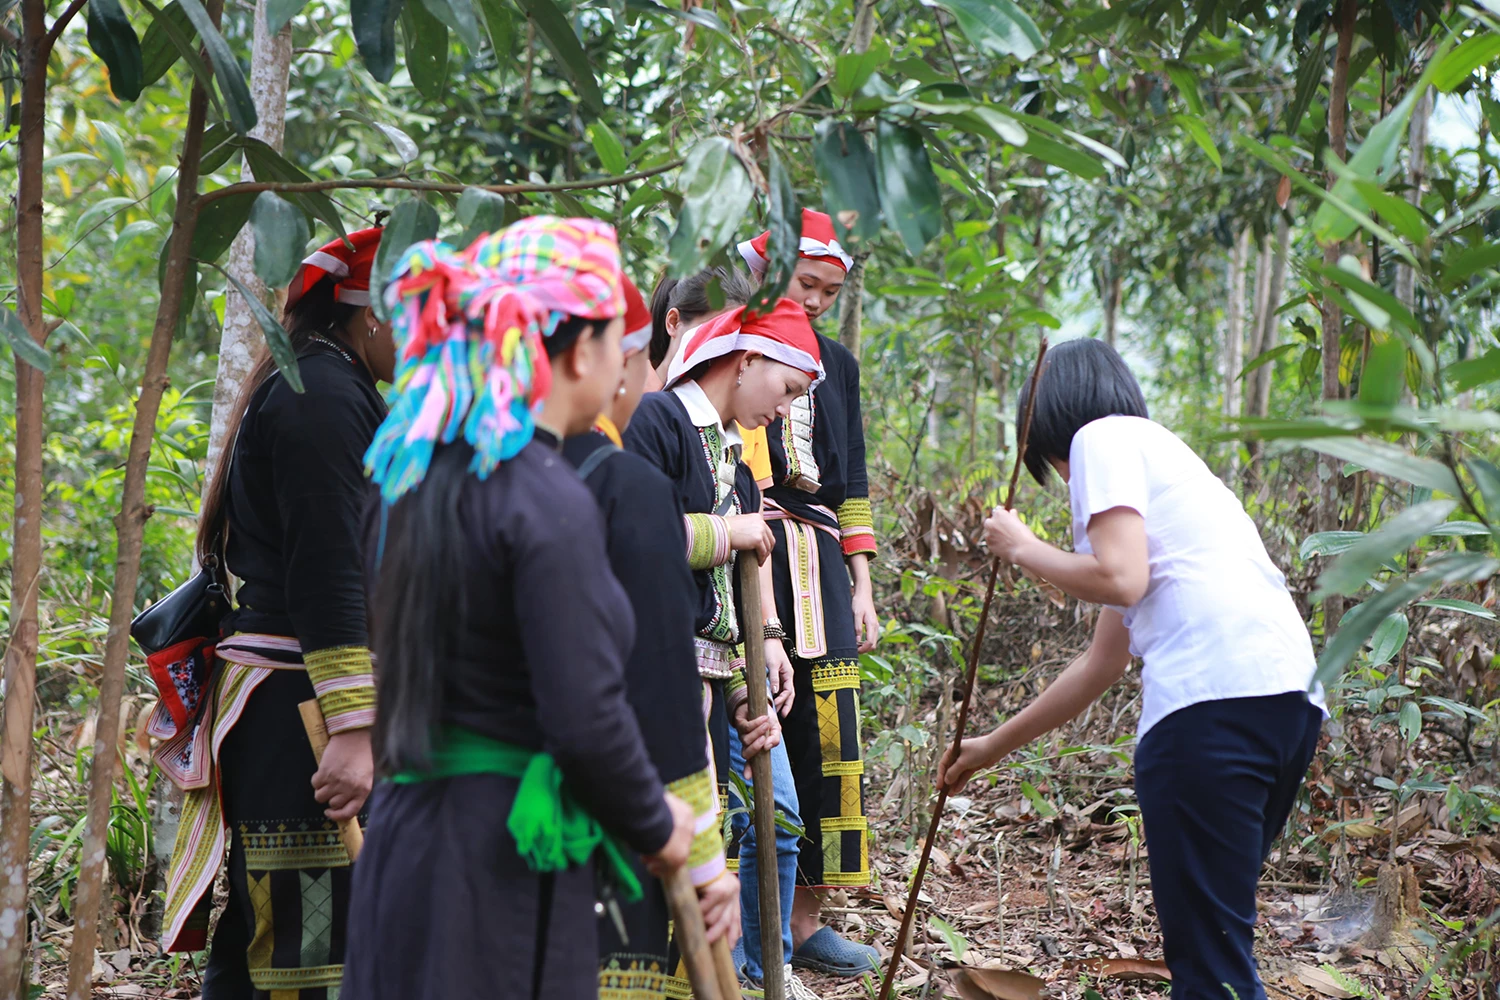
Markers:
819,507
443,904
295,494
662,686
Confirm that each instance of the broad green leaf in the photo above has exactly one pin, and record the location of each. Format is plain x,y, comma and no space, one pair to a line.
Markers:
399,140
279,13
1267,357
158,52
374,25
557,32
846,171
1384,374
1454,604
1465,375
425,41
1330,543
1390,635
785,226
700,16
114,40
458,15
1410,721
25,348
1351,571
852,69
1399,212
238,104
68,159
1310,69
411,222
113,147
1451,70
499,22
1461,529
957,943
1379,307
479,212
997,27
1388,460
910,197
611,151
1470,260
1063,156
135,229
1186,82
269,165
104,208
1197,130
281,235
1487,478
218,223
277,340
716,192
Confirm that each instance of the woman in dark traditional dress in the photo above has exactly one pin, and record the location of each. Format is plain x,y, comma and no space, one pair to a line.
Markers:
512,759
735,370
678,305
811,465
291,490
641,515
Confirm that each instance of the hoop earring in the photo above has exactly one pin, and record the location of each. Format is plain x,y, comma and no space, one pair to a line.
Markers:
370,333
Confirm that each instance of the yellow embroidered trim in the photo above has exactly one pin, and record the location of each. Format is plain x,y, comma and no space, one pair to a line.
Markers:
344,680
832,768
835,676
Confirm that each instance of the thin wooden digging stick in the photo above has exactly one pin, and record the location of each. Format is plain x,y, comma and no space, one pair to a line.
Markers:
963,710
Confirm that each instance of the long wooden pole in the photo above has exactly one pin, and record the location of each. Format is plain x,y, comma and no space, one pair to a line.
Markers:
317,734
760,772
692,936
963,709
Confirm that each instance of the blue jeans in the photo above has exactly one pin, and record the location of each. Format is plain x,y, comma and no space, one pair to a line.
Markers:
784,794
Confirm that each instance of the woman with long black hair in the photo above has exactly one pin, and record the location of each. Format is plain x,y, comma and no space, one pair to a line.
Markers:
284,510
1227,726
515,772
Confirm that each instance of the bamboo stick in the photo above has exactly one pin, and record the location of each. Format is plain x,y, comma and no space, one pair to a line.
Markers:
692,936
317,734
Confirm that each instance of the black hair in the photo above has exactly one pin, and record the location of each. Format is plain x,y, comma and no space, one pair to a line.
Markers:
689,296
1082,381
420,602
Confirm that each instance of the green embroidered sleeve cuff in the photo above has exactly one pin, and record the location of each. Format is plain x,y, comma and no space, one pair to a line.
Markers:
857,527
706,856
707,540
344,682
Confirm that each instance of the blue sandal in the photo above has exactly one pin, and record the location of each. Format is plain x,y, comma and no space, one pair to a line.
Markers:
832,955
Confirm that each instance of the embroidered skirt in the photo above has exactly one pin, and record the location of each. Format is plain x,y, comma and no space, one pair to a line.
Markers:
822,730
444,908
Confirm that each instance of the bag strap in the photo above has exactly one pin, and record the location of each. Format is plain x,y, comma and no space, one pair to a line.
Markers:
595,459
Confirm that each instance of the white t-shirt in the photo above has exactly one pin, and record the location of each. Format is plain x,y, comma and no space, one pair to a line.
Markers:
1217,620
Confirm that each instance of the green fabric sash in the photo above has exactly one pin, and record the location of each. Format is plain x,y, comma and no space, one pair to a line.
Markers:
552,830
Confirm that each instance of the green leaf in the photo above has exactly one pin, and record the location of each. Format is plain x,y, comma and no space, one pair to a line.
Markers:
1454,604
1399,212
458,15
114,40
374,25
281,235
611,151
700,16
846,171
402,143
479,212
1388,460
1487,478
1376,306
277,340
425,40
499,22
1384,375
279,13
1063,156
1330,543
113,147
1410,721
852,69
218,223
20,341
1197,130
1186,82
1351,571
557,32
1450,71
1267,357
1309,76
1038,801
411,222
96,213
269,165
239,105
1468,261
910,197
783,246
158,52
135,229
716,192
957,943
1465,375
1390,635
997,27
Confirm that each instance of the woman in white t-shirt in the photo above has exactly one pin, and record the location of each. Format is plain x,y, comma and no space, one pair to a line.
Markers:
1227,728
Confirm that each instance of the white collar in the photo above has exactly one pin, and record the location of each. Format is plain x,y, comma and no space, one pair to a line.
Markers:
703,413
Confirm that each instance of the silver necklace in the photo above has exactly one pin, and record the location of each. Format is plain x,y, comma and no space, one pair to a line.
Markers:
342,353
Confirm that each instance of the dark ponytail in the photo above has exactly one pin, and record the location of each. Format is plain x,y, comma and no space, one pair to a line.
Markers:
689,296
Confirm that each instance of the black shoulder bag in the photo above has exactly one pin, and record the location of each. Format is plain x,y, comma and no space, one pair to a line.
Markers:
194,609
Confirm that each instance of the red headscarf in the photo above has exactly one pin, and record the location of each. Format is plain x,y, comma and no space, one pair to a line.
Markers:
783,334
818,243
350,269
637,320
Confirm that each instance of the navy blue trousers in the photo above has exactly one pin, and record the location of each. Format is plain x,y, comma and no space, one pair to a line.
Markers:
1216,782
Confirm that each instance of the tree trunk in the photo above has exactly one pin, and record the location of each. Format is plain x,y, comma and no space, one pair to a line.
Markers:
1112,281
852,308
26,559
130,525
1416,173
1234,334
270,70
1259,404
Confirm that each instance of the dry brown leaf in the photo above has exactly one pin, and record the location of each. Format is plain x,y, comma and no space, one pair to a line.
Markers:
1141,969
1315,978
1283,191
997,984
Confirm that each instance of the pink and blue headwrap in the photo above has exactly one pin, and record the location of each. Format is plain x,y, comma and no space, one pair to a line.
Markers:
469,328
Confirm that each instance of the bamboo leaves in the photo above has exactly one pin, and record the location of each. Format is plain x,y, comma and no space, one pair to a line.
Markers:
716,192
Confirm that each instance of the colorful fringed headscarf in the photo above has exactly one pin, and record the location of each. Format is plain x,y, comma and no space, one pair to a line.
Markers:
468,327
